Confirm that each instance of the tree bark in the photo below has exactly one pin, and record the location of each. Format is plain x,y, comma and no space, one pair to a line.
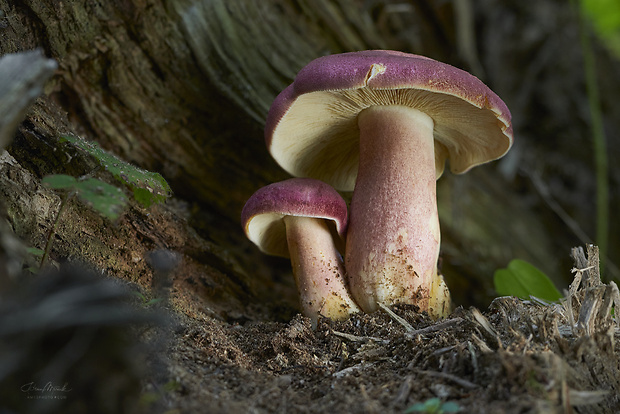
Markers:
182,87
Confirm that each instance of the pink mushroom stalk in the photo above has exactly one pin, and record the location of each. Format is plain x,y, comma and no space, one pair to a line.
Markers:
382,124
298,218
394,196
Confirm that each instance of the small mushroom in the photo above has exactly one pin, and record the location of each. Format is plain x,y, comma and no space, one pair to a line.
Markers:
383,123
296,218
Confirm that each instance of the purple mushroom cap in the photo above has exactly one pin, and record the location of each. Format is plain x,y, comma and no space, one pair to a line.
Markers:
311,128
262,216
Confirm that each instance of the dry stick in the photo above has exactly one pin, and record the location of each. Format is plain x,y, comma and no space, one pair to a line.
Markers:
484,348
436,327
616,297
569,310
483,322
48,245
411,332
355,338
397,318
474,358
349,370
460,381
404,390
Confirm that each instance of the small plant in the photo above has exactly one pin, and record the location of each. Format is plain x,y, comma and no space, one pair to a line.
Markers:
524,280
34,253
146,302
148,187
434,406
106,199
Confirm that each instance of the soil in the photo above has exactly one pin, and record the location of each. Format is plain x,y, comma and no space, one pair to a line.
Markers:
513,359
516,357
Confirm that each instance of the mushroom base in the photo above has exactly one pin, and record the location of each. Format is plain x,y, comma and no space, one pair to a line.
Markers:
393,237
318,269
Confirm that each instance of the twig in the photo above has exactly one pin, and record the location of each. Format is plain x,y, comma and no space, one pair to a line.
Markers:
436,327
484,348
48,245
397,318
482,321
569,308
349,370
355,338
460,381
616,298
411,332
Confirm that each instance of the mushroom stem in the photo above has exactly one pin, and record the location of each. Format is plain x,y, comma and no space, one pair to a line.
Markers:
318,269
392,243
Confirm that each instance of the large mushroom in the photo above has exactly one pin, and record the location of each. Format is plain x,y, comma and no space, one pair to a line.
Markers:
298,218
383,123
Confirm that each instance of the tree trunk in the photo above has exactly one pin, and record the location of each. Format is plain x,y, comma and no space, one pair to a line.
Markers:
182,87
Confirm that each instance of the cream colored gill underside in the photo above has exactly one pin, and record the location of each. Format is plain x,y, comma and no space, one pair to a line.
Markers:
318,136
268,232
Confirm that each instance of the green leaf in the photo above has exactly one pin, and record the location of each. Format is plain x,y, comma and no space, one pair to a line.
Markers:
430,406
450,407
153,301
523,280
605,14
107,199
35,251
59,181
605,17
172,386
148,187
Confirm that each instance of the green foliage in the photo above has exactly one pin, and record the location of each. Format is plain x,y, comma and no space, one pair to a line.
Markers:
523,280
146,302
36,254
148,187
35,251
433,406
605,17
108,200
